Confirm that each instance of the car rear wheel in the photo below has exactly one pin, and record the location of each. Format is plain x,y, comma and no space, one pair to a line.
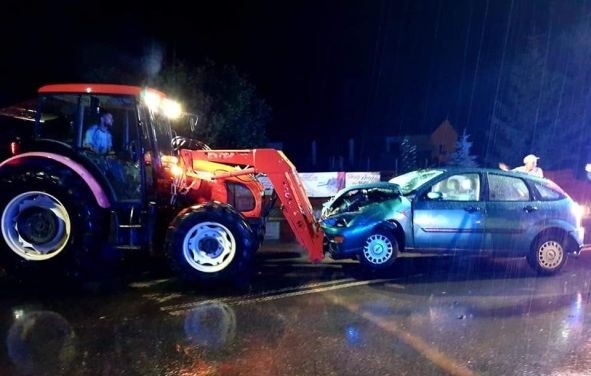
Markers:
547,255
379,251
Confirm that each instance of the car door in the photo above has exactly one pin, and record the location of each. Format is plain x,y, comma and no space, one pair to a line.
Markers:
449,214
511,211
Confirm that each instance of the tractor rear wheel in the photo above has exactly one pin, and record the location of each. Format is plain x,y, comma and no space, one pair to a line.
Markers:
50,224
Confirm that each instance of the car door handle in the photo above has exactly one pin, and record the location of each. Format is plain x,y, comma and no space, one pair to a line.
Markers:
472,209
529,208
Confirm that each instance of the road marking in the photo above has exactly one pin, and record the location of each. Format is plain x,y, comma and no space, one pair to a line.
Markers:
270,295
143,285
161,298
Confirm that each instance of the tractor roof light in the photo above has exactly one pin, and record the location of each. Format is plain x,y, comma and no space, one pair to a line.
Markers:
151,99
171,109
157,102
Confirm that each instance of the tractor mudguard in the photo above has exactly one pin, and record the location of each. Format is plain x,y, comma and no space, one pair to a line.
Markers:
21,160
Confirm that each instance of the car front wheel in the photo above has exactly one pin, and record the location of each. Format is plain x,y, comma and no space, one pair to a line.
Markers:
547,255
379,251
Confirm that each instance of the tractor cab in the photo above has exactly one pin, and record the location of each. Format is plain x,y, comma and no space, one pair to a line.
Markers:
69,119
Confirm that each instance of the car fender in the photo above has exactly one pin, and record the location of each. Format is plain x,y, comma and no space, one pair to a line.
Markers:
387,226
98,192
394,228
575,235
556,223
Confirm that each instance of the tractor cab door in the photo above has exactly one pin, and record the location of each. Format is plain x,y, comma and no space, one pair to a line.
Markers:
157,151
112,123
126,153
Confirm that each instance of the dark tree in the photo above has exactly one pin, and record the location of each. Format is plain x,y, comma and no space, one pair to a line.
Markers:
535,112
408,156
462,156
226,109
230,112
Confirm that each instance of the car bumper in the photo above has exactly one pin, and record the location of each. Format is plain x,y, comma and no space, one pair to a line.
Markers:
579,236
336,249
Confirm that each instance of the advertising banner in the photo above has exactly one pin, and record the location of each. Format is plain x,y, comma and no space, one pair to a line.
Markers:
322,184
354,178
327,184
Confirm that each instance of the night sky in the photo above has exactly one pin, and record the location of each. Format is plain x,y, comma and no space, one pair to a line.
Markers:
329,70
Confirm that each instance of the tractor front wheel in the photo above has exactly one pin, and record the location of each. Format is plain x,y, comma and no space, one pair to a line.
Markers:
209,243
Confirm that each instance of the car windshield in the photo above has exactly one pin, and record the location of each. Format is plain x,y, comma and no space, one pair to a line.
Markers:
410,181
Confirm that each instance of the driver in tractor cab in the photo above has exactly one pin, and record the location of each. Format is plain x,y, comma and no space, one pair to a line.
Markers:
99,140
98,137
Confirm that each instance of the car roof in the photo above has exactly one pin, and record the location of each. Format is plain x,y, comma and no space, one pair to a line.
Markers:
460,170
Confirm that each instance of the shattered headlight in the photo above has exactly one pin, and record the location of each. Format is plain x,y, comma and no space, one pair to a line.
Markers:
338,221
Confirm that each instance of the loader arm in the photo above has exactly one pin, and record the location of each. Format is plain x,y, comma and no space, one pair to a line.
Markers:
295,205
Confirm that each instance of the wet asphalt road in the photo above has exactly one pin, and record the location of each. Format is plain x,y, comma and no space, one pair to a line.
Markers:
427,316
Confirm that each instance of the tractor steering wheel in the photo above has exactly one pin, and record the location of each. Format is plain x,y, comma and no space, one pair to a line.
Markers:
178,142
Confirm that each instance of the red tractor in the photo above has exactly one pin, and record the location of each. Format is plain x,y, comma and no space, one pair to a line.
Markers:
65,208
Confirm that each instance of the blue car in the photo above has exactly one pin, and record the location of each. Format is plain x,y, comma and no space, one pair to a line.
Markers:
457,211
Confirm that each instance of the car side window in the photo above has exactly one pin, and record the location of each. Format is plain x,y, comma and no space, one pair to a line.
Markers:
460,187
547,193
507,188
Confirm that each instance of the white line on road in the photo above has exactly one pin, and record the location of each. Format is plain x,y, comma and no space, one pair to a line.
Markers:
275,294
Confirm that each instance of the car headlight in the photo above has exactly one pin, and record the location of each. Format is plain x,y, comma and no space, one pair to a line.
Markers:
337,221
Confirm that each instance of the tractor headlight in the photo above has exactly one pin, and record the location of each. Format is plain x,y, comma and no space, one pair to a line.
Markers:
170,163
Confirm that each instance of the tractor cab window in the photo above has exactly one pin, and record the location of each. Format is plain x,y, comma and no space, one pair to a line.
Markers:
157,131
113,132
56,120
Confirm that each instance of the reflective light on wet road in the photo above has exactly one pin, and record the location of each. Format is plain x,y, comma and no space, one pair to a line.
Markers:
432,353
428,351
